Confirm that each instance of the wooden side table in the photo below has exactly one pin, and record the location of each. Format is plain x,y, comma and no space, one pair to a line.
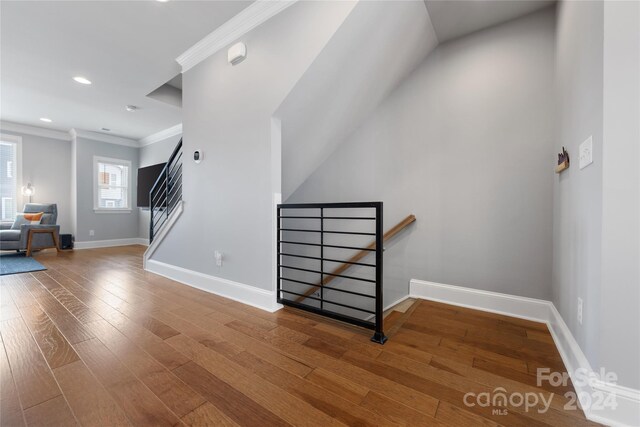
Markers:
51,231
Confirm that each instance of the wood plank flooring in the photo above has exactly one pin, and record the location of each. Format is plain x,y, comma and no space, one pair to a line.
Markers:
97,341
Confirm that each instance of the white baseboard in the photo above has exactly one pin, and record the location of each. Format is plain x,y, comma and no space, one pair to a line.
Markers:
510,305
627,412
92,244
250,295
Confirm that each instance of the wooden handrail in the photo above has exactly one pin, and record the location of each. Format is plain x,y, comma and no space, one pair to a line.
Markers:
363,253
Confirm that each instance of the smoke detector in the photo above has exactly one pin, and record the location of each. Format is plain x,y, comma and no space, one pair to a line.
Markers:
237,53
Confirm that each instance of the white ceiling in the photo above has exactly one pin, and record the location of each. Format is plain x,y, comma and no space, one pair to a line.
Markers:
126,48
456,18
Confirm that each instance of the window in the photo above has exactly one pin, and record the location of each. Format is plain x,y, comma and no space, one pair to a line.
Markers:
9,156
112,185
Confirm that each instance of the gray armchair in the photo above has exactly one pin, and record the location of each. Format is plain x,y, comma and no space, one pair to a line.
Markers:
19,239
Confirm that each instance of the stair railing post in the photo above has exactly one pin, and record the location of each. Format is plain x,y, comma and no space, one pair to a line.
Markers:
378,335
166,192
321,258
278,255
151,216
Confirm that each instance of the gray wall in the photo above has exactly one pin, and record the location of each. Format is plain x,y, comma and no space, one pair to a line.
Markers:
73,187
596,209
378,46
153,154
464,143
107,226
577,217
227,112
46,163
158,152
620,295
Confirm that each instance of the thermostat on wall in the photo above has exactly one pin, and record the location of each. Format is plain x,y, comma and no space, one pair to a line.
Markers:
197,156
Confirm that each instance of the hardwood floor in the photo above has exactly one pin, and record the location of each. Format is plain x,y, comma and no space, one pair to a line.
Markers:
97,341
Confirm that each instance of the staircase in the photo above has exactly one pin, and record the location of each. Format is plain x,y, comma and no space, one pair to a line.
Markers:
165,201
166,194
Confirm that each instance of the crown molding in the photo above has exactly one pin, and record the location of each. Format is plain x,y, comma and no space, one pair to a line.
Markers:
257,13
67,136
110,139
34,130
159,136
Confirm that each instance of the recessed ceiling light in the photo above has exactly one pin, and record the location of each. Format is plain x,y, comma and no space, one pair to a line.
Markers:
45,119
106,129
82,80
163,1
131,108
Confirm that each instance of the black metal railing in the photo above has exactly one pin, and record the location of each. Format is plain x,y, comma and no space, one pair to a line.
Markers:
166,192
330,259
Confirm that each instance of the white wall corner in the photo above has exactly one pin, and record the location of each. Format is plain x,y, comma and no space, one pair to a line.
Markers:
627,401
161,135
246,294
255,14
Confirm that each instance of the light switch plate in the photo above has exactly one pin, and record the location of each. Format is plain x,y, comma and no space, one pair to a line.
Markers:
586,153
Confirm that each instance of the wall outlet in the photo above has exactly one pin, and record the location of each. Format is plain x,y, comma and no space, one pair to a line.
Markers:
218,257
580,310
586,153
92,233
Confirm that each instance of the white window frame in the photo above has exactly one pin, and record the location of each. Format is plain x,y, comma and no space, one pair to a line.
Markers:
17,168
4,201
96,186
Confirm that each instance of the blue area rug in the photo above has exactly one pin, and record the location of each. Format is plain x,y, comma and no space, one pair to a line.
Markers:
18,263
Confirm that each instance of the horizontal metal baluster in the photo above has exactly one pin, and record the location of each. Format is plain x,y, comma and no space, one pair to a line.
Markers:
364,264
329,274
328,231
329,302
